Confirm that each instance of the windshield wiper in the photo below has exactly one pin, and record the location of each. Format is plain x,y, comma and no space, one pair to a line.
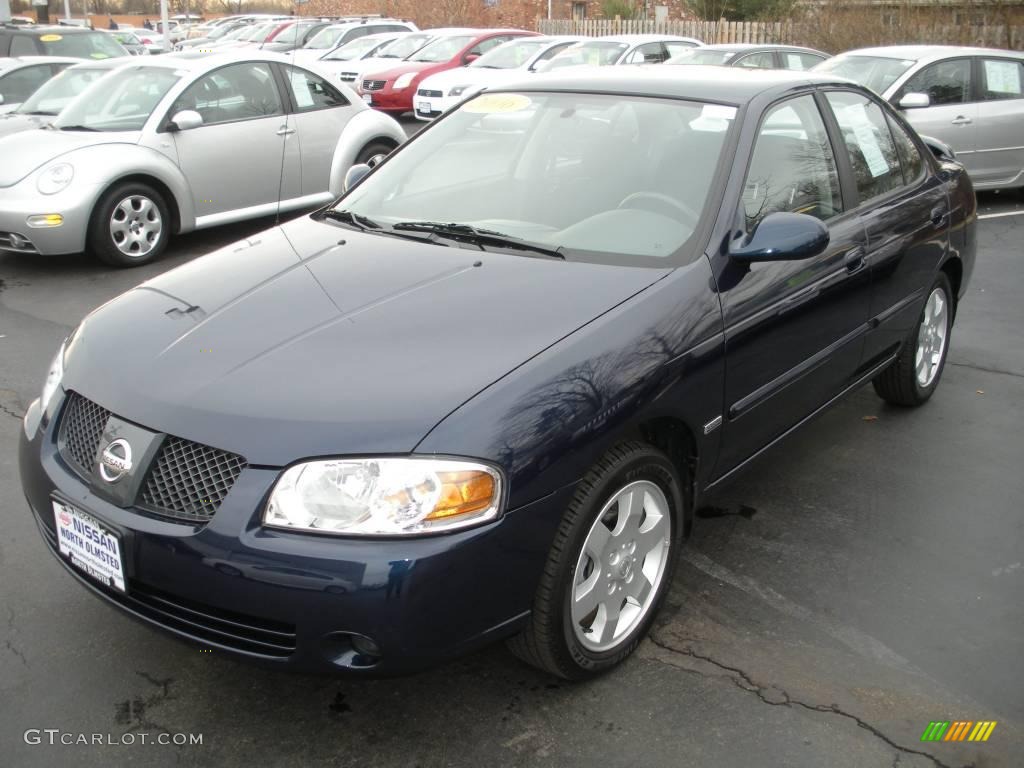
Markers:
40,112
355,220
78,128
477,236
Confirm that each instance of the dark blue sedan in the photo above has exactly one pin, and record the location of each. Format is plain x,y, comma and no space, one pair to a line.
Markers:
480,396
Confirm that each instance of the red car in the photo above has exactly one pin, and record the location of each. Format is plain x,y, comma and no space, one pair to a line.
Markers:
392,90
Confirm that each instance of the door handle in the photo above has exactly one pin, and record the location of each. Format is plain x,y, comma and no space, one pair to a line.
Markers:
854,259
284,130
939,214
961,120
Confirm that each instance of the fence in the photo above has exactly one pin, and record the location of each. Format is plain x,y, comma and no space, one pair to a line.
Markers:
833,36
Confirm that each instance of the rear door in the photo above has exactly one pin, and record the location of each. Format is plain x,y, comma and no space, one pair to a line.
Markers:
952,115
999,138
794,329
904,208
242,156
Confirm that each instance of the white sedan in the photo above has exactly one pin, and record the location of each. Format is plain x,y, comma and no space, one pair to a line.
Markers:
439,93
621,49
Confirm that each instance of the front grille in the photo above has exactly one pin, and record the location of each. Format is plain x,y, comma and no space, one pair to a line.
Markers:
373,85
81,430
197,621
13,241
188,481
425,92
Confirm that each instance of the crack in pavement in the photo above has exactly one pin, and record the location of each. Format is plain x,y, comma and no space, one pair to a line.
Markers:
132,712
745,682
10,633
5,410
985,369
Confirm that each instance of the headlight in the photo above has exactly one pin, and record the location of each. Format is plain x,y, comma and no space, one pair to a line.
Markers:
457,90
384,496
404,81
55,178
53,379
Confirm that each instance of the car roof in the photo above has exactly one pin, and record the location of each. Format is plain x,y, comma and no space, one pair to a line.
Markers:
716,84
111,63
16,62
742,47
928,52
196,60
49,29
639,38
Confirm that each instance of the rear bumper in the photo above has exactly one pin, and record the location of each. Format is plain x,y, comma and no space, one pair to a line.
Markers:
296,601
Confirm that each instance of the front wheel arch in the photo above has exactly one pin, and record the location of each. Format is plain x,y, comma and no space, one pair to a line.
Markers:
144,178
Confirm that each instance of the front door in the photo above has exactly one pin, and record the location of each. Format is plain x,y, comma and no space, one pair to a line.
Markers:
794,329
240,160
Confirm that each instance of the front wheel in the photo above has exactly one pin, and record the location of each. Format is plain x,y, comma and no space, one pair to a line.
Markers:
130,225
914,375
373,153
609,566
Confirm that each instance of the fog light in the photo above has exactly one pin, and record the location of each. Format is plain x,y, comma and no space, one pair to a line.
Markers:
17,241
365,646
43,220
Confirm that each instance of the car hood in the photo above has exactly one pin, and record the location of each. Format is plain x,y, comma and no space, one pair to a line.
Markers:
312,340
405,66
15,123
26,151
472,76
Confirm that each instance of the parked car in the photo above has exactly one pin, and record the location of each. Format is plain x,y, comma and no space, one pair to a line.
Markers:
586,243
439,93
393,90
179,143
39,109
752,56
335,35
20,78
352,70
130,40
345,57
253,37
970,98
73,42
210,36
295,34
621,49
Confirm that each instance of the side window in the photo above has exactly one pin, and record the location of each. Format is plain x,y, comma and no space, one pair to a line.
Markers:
800,61
552,51
1001,79
764,60
792,168
910,158
648,53
22,83
491,42
232,93
675,47
945,82
23,45
869,144
312,92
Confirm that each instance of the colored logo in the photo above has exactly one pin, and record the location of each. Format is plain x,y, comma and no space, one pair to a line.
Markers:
958,730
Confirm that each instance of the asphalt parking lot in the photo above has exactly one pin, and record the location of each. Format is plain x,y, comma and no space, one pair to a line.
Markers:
862,580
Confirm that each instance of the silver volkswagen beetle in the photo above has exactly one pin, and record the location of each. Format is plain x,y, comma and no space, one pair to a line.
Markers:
179,143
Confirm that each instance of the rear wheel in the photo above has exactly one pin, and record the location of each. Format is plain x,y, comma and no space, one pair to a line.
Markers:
914,375
130,225
373,153
609,566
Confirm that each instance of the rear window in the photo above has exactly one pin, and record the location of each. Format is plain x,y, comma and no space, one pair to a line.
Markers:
83,45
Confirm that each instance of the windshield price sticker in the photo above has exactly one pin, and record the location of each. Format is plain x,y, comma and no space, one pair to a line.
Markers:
51,38
493,103
859,122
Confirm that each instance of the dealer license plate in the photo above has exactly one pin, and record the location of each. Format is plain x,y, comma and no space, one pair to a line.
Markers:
368,98
425,108
89,546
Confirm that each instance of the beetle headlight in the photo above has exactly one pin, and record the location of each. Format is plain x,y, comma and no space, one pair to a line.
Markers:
404,81
55,178
384,496
458,90
53,379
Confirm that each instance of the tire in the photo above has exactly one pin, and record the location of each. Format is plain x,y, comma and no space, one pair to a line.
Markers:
911,379
369,154
130,226
563,635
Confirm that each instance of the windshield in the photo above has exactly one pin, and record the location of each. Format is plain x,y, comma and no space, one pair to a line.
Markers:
59,90
601,177
355,49
218,32
326,38
403,47
237,34
701,56
125,38
874,72
258,32
593,54
292,33
510,55
86,45
442,49
121,102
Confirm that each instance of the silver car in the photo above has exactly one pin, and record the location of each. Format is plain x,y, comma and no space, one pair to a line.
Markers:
970,98
182,142
21,77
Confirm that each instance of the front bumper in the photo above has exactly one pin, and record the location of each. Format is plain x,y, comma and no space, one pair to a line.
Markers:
297,600
22,200
432,107
390,100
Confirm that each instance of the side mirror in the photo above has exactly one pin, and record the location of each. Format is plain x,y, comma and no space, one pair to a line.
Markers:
355,175
469,58
783,237
186,120
1,98
915,101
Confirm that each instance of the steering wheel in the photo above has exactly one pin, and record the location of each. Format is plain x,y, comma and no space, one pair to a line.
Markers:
663,204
